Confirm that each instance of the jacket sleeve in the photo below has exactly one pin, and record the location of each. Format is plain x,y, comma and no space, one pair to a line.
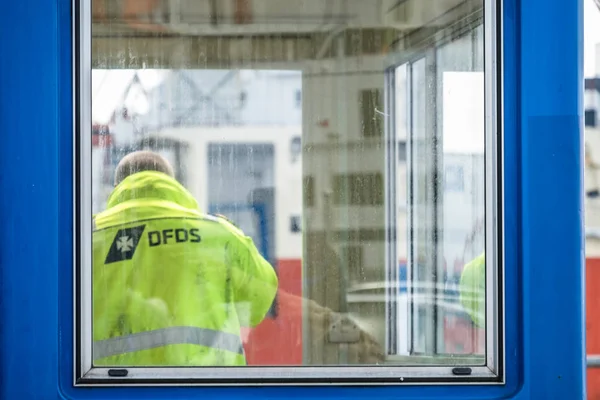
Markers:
472,290
254,281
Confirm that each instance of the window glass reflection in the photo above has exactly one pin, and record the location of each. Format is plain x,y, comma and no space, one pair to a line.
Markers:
242,184
460,86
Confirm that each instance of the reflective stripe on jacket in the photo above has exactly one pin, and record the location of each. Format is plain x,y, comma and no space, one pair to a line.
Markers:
172,286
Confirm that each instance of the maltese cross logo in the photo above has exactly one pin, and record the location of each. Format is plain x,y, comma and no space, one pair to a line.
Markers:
125,243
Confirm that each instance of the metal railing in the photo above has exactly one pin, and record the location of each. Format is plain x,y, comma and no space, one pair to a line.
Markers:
593,361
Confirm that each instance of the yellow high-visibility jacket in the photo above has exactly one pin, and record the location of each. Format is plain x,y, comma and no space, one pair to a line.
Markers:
172,286
472,290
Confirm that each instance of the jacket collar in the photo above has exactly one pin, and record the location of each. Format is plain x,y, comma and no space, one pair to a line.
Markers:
151,185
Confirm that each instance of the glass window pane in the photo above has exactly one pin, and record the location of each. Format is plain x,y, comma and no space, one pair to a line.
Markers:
442,290
461,99
287,183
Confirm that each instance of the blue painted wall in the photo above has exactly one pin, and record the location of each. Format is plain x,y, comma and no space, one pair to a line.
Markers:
551,154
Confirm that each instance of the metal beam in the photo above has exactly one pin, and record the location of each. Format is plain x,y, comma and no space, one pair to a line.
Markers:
593,361
197,52
172,52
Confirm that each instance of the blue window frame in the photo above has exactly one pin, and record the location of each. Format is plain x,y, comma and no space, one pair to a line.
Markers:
541,117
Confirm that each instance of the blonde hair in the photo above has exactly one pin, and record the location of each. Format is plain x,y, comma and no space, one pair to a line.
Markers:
140,161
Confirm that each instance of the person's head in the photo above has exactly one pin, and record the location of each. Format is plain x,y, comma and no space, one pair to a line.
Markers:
140,161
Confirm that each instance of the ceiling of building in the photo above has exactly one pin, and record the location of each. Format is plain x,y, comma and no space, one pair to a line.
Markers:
226,33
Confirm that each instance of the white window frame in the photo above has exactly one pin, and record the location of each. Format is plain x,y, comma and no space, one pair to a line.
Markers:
490,373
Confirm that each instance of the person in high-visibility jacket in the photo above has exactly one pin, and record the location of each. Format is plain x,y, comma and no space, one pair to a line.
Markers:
472,290
172,286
